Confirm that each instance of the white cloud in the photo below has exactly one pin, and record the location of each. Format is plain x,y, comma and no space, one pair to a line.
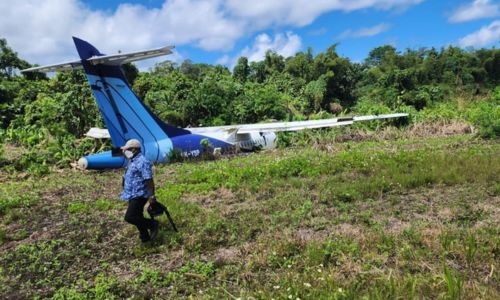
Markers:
34,28
350,5
365,32
226,60
287,44
297,13
478,9
485,36
178,21
40,30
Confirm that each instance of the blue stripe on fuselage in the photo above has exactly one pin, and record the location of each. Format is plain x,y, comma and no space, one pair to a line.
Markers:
191,144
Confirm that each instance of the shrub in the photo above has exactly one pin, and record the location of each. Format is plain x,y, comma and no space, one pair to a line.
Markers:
442,111
486,116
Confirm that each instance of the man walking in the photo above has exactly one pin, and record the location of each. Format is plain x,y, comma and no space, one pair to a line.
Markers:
138,189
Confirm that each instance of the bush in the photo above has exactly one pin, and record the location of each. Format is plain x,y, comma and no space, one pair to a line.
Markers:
442,111
370,107
36,162
486,117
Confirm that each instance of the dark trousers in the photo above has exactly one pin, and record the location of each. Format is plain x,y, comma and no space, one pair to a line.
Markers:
135,216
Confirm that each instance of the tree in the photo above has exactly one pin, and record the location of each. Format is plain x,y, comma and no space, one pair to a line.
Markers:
242,70
315,92
273,62
9,61
381,56
301,65
257,71
131,72
10,85
163,68
340,76
166,95
194,71
492,66
259,102
68,106
431,67
212,98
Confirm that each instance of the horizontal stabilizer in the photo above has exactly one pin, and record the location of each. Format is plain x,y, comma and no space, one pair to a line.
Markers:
67,66
120,59
110,60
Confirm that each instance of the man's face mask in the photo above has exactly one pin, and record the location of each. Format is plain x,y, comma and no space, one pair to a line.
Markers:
128,154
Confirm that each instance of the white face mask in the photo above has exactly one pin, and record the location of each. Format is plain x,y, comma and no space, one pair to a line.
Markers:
128,154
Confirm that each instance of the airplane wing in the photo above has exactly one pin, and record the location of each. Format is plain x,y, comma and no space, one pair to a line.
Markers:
269,127
113,60
294,125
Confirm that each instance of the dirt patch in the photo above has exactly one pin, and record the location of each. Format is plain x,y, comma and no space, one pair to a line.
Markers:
305,235
348,230
213,198
395,226
492,209
224,256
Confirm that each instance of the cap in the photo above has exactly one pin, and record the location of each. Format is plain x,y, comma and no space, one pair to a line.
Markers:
133,143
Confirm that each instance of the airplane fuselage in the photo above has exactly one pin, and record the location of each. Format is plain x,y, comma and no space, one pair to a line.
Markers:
187,146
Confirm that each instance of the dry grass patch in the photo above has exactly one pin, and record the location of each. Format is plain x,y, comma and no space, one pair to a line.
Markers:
440,128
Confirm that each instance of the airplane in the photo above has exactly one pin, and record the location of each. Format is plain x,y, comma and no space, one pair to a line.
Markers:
126,117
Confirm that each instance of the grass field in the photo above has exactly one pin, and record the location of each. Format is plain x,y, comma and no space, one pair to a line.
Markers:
392,218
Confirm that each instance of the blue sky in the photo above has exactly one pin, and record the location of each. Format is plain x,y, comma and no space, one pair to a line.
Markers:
220,31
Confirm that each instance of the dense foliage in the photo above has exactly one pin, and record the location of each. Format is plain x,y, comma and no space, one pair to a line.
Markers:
48,117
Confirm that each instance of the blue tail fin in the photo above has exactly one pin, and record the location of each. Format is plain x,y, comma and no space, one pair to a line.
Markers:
125,116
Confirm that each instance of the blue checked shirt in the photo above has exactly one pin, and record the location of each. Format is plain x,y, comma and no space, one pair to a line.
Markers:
138,171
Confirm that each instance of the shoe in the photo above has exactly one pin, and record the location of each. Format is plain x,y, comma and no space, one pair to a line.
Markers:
145,237
154,230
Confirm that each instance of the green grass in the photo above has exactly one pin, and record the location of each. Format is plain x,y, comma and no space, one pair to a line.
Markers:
405,218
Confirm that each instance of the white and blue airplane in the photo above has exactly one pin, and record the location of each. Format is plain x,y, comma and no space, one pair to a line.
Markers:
126,117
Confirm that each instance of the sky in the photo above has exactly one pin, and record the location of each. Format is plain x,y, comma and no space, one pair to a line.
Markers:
221,31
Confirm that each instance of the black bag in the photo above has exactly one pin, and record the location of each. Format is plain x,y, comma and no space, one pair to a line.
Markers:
157,209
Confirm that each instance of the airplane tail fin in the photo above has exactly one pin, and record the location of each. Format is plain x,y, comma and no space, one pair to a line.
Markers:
125,116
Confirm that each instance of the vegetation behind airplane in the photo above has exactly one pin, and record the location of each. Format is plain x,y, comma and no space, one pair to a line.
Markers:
47,117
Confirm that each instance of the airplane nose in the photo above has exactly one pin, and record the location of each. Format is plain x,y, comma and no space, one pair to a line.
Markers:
83,163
